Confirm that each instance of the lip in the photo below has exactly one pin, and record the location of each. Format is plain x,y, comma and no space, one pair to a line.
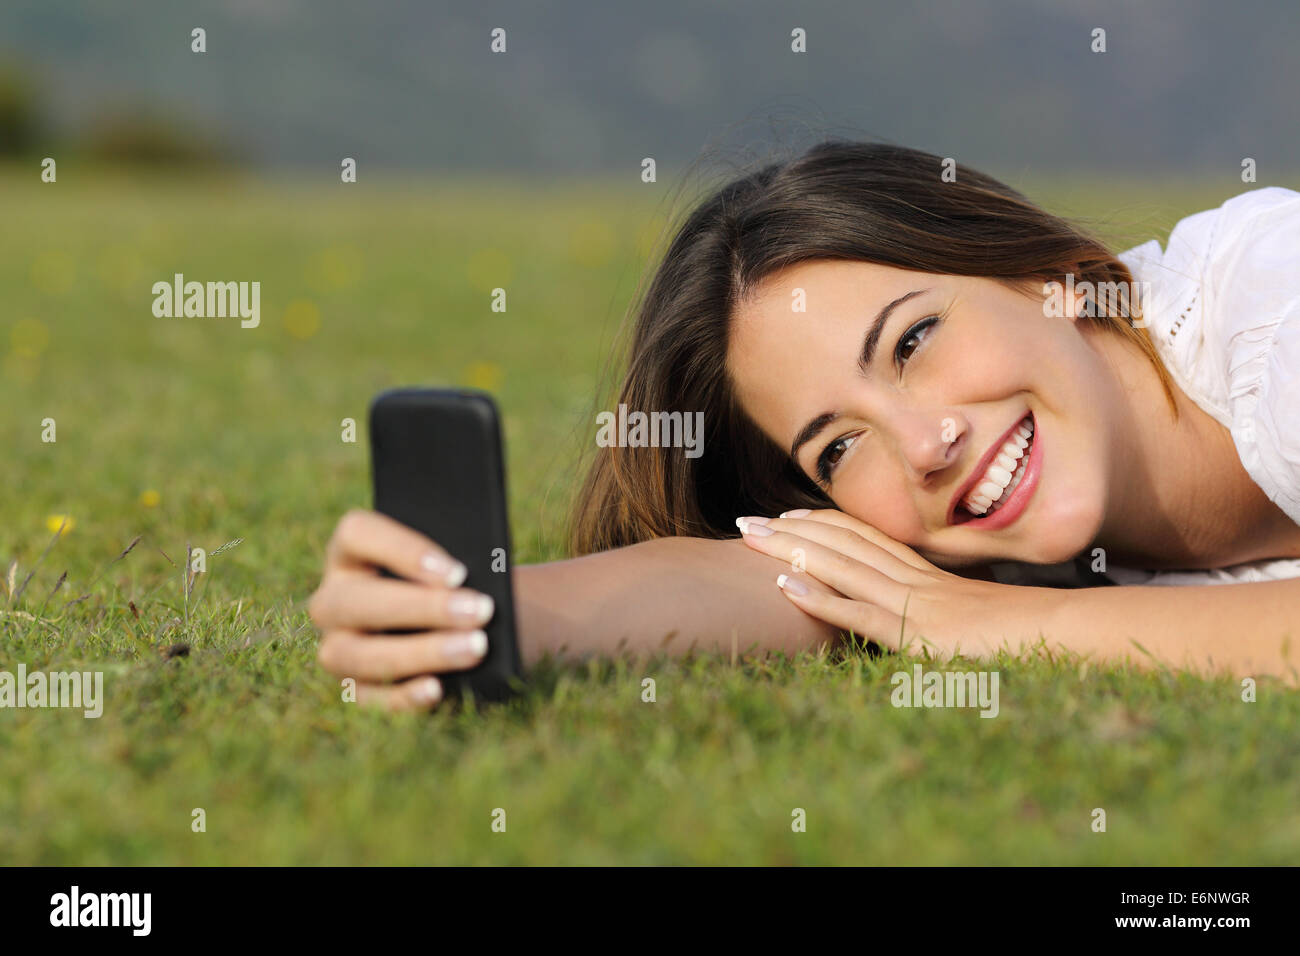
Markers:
1016,504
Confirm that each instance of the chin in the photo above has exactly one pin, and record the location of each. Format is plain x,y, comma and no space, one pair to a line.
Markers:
1055,552
1065,531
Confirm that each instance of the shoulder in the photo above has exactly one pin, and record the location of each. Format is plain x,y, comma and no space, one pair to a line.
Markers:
1255,231
1222,303
1253,322
1249,251
1245,247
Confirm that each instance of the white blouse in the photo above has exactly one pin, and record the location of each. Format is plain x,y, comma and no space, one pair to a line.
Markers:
1222,305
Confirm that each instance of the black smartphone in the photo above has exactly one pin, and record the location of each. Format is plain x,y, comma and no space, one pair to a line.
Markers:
438,466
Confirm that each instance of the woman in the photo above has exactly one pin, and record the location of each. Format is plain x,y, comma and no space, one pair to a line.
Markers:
916,405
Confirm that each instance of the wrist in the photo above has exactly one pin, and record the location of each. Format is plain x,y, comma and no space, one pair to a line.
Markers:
1047,615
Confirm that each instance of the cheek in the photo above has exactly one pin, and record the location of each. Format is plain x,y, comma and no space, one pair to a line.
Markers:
882,502
982,362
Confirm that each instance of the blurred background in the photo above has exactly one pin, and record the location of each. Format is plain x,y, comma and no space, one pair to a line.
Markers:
1184,85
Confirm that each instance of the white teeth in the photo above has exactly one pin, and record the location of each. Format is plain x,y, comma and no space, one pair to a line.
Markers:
1004,474
1014,482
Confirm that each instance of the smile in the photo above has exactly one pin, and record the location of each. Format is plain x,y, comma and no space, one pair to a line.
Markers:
1003,480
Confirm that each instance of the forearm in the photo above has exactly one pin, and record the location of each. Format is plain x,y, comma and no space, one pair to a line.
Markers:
669,594
1244,630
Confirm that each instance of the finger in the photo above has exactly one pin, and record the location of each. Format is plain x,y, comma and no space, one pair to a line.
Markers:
421,693
364,602
368,539
863,619
872,534
374,658
811,582
847,541
848,575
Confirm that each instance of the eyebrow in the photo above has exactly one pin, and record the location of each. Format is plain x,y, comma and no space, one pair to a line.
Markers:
869,343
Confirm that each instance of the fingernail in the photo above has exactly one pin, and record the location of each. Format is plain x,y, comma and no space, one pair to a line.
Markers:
452,572
754,526
474,607
473,644
793,585
427,691
797,513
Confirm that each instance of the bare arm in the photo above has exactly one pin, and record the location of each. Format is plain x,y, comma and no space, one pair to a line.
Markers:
1245,630
887,592
671,593
667,594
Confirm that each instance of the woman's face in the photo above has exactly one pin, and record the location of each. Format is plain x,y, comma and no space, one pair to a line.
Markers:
926,437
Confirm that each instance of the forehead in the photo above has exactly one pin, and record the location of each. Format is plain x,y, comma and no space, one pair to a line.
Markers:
817,294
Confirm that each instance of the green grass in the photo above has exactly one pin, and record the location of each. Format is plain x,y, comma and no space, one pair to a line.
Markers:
238,434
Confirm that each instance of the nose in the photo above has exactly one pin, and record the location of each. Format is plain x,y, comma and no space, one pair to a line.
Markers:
930,442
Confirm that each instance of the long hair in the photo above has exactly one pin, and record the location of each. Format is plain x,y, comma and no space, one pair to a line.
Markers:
841,199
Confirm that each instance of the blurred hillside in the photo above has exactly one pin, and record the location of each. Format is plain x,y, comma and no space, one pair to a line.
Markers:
1184,85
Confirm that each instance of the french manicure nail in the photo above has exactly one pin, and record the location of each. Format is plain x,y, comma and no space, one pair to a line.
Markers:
473,644
474,607
797,513
427,691
453,573
754,526
793,585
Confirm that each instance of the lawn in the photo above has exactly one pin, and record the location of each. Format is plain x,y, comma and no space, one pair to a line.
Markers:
195,433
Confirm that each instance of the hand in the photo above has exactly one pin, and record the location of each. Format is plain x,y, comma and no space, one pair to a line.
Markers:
849,574
354,605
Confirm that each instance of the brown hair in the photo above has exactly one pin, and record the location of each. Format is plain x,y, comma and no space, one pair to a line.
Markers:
841,199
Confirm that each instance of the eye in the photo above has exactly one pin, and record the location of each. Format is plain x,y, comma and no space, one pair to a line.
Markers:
908,343
830,457
911,340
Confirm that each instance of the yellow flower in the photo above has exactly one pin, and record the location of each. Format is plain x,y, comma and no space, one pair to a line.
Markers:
337,267
29,337
485,376
150,498
53,522
302,319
